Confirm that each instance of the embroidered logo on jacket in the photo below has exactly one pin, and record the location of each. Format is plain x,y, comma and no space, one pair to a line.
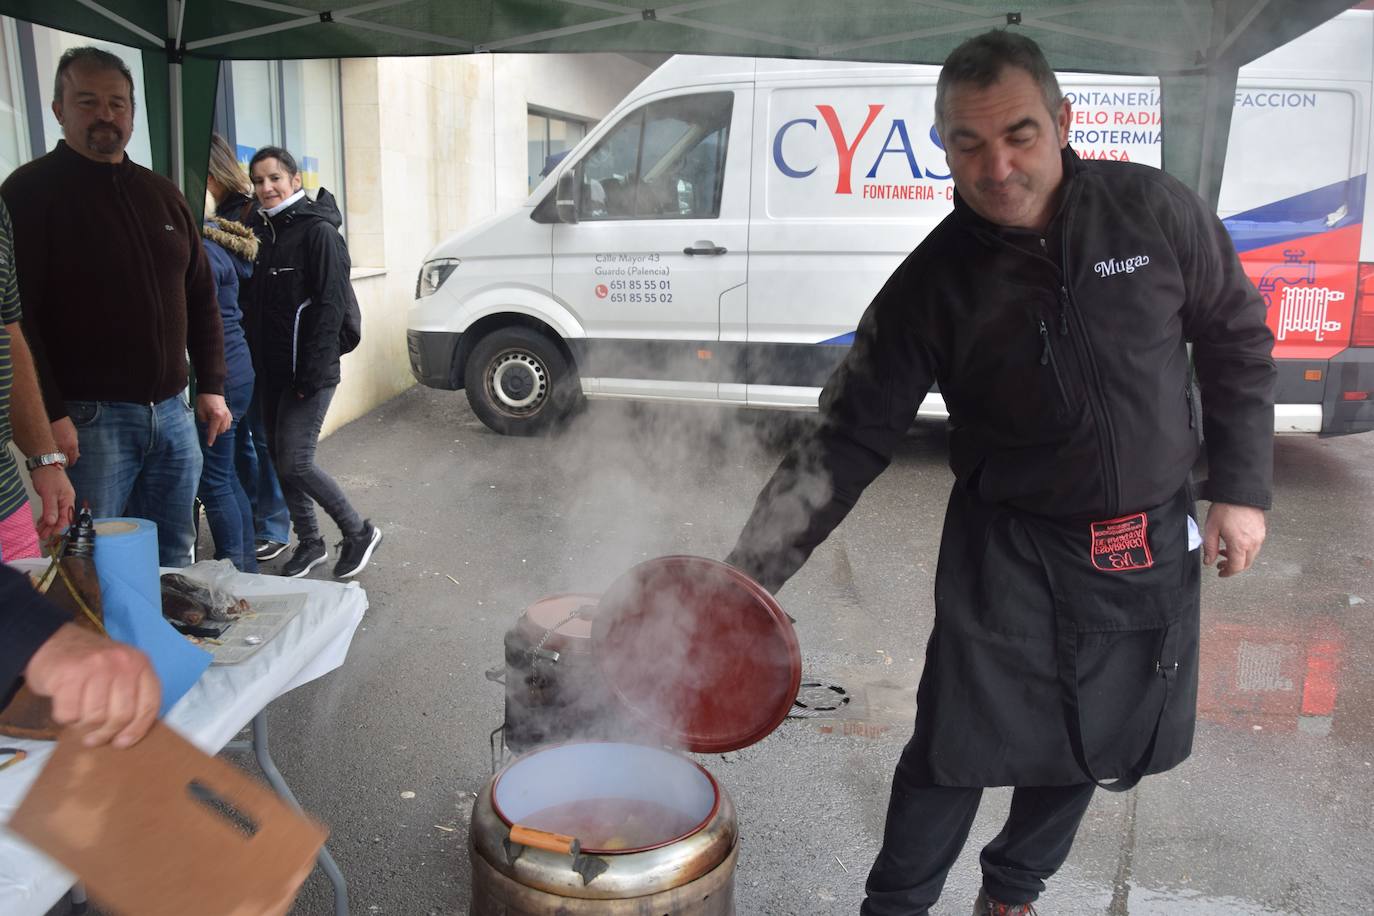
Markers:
1121,265
1122,544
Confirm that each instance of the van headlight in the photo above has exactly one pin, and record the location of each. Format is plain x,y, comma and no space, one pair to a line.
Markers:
432,276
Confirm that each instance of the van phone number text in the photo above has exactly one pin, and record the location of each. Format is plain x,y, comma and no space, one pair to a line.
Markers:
642,291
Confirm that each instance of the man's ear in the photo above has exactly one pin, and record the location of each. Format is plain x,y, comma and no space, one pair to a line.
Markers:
1062,121
57,110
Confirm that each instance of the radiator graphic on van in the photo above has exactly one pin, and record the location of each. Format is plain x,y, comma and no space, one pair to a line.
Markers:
1304,311
1302,253
1303,304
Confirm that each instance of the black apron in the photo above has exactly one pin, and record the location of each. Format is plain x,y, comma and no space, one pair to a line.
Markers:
1062,652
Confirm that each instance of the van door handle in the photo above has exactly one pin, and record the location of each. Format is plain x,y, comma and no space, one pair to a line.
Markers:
703,247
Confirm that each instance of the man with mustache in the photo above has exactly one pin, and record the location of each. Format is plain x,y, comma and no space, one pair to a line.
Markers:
1053,307
116,290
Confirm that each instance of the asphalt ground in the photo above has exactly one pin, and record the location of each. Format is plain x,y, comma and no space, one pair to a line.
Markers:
1273,813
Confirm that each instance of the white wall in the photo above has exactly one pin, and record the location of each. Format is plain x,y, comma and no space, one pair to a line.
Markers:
432,145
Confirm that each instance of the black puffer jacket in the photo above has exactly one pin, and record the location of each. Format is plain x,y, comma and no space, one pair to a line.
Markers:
300,297
1062,361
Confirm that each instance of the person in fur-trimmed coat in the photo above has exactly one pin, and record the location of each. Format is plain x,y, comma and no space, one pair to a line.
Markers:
231,248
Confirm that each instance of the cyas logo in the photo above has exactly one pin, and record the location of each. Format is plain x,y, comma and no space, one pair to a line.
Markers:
898,141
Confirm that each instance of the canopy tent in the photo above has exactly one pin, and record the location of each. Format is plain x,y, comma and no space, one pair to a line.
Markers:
1195,47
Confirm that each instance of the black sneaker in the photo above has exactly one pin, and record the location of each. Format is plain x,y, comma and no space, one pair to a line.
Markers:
309,553
355,550
268,549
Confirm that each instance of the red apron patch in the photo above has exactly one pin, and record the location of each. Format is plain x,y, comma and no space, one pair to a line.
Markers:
1122,544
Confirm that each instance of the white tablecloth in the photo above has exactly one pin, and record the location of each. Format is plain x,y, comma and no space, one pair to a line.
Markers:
223,701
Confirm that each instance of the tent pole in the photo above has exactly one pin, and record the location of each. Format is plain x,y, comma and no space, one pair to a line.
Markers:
178,125
1215,90
175,10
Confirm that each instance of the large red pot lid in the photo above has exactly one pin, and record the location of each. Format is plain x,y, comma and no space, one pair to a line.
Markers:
698,651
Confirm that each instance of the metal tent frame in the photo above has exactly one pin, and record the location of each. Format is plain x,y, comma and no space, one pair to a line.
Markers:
1194,47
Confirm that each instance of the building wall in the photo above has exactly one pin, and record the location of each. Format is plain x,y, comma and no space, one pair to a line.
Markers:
431,146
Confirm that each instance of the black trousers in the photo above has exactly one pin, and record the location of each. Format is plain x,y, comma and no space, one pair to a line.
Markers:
293,431
928,825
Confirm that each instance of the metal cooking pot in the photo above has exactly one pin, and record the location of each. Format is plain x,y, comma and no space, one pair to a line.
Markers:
683,863
554,691
685,651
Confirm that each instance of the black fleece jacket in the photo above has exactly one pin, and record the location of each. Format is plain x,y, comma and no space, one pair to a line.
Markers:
1062,361
115,284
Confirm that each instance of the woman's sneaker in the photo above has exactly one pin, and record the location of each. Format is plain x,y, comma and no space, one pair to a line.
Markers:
268,549
355,550
309,553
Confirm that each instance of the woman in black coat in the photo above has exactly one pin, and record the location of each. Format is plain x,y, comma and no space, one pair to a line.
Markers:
302,318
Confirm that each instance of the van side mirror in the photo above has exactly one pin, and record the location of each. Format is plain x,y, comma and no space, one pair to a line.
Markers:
565,197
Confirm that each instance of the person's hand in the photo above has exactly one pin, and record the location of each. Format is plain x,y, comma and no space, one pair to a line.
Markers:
96,684
54,488
214,413
64,434
1234,533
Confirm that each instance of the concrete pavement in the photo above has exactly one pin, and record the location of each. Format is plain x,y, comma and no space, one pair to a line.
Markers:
1274,813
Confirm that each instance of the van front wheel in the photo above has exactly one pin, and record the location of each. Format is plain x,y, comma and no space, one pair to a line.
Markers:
518,382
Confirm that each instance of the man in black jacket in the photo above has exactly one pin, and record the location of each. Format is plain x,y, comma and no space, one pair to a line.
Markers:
1053,307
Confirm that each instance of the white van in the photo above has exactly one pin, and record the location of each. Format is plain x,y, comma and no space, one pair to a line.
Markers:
718,235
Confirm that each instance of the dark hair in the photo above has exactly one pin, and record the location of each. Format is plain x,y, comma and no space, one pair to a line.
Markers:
101,60
981,60
275,152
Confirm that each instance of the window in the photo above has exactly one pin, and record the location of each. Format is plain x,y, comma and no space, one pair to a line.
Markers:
28,128
665,161
313,125
255,120
294,104
550,137
14,124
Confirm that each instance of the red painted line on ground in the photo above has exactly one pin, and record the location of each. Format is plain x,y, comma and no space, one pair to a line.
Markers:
1323,673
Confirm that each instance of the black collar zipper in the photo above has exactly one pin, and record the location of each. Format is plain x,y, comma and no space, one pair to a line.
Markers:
1106,436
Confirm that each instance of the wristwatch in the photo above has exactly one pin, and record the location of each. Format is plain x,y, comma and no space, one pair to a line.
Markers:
42,461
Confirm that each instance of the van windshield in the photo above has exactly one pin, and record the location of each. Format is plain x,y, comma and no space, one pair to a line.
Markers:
664,161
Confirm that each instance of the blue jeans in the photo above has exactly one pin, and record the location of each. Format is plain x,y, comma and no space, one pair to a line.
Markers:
226,504
271,518
141,460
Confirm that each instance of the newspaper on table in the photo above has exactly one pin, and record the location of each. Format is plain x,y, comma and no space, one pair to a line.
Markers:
249,631
254,629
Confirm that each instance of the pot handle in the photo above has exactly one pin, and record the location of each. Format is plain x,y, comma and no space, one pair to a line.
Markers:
543,839
589,867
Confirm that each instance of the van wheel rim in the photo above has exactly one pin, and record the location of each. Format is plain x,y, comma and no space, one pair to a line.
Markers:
518,382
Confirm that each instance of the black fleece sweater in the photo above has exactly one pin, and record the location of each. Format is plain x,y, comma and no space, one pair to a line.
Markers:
115,284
